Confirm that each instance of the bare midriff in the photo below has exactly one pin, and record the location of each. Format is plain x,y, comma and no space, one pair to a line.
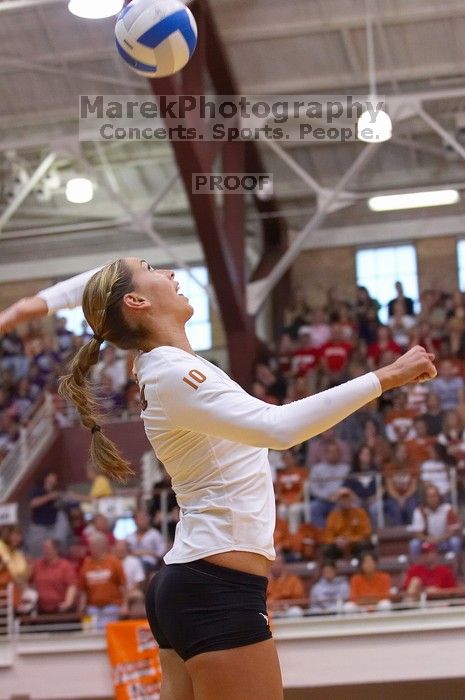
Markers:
250,562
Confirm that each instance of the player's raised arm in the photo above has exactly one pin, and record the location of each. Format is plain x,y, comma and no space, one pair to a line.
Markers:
64,295
197,400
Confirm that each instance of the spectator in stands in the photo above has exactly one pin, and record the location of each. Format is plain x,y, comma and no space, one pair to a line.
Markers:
54,579
296,312
407,302
12,355
316,448
401,324
325,479
47,521
103,583
330,591
133,569
7,579
435,471
428,575
449,387
146,543
162,493
319,329
77,521
334,356
399,418
383,344
76,555
452,437
433,416
351,430
418,441
284,589
100,485
112,368
369,587
99,525
435,522
305,357
290,484
64,337
303,544
366,312
362,481
348,527
275,383
373,436
401,486
11,551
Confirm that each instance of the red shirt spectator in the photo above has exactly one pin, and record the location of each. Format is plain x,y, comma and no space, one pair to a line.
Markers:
55,581
335,355
428,574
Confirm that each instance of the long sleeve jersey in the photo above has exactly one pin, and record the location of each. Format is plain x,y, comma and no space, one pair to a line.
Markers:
213,438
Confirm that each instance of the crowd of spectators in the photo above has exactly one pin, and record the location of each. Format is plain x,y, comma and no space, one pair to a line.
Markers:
33,360
398,462
67,561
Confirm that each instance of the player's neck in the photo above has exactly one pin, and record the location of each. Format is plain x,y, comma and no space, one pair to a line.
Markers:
171,336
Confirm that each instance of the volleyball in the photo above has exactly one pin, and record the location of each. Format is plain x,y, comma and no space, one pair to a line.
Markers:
156,38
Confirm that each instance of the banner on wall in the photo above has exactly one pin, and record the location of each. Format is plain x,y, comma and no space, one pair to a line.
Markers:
135,660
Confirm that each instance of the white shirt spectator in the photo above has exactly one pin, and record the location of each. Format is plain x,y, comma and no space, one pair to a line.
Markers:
133,571
435,472
436,522
151,541
326,479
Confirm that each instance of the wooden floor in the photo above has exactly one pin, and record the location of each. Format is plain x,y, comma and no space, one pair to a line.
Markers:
416,690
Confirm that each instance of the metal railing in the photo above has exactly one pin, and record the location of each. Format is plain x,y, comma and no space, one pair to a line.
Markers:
34,439
6,612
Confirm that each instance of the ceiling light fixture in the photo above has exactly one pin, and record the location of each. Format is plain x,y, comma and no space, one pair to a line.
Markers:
378,129
413,200
95,9
79,190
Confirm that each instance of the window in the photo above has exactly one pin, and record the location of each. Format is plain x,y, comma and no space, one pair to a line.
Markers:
461,264
378,269
198,328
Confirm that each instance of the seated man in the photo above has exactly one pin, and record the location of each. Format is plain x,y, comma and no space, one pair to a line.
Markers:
427,575
435,522
285,590
103,583
147,543
369,587
55,581
330,591
348,528
326,477
133,570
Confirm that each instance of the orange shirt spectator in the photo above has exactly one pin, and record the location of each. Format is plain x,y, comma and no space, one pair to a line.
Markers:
371,588
399,419
290,481
283,586
102,580
281,534
5,579
347,521
306,540
418,446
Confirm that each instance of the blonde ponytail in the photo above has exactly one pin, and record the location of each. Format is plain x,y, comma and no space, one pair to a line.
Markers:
101,304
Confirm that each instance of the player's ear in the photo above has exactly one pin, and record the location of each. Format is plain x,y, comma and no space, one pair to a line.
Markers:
132,300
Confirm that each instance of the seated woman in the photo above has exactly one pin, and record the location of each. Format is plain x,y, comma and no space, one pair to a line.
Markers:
369,587
362,481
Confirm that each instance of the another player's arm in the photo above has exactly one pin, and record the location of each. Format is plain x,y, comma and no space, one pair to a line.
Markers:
195,400
64,295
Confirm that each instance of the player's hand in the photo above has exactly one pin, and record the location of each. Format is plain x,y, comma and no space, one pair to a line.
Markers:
26,309
415,366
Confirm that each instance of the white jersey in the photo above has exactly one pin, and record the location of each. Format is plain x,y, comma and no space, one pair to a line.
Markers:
213,439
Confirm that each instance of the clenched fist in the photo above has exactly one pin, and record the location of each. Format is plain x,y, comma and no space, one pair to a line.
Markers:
415,366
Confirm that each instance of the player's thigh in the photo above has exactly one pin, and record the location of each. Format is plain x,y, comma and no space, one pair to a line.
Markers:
176,683
250,672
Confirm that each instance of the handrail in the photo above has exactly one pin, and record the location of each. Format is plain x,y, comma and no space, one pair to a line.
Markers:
34,439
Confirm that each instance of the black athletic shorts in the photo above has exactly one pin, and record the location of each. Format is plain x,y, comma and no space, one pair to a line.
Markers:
198,607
